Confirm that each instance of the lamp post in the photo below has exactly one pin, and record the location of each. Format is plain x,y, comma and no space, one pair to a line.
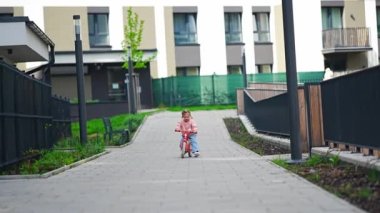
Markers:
131,95
80,81
291,79
244,69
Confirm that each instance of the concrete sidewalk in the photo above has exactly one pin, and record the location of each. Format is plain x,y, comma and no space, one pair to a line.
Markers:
150,176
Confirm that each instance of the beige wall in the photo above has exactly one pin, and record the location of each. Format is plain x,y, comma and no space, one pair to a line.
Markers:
66,86
18,11
154,69
170,46
280,50
354,14
356,61
59,26
145,14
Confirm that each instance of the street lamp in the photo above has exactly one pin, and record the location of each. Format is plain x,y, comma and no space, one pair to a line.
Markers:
131,95
80,81
244,70
291,79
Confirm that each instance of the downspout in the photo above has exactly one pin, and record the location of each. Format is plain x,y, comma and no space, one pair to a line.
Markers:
47,72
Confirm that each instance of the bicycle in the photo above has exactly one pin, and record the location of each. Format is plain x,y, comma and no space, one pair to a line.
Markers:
185,144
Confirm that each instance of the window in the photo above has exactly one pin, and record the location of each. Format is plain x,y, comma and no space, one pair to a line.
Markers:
185,28
331,17
234,69
378,21
115,81
263,68
187,71
261,31
98,29
232,25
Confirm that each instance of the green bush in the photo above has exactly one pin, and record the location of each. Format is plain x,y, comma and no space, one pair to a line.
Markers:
56,158
374,175
92,147
334,160
315,160
134,122
49,161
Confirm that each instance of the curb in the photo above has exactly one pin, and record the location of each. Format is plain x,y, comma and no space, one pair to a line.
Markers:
370,162
54,172
281,142
116,147
134,135
355,158
139,128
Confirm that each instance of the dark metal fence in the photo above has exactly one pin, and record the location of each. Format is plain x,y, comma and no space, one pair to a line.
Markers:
269,115
351,108
28,115
346,108
61,120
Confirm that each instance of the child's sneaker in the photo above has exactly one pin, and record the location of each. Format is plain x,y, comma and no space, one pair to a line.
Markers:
196,154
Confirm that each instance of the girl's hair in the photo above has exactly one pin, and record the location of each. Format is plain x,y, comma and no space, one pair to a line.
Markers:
186,111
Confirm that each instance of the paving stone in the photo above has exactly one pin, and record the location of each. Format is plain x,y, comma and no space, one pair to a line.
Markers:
150,176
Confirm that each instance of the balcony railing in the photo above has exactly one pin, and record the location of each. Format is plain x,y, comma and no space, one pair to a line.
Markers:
346,38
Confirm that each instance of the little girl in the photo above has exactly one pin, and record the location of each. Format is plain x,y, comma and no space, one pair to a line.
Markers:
188,124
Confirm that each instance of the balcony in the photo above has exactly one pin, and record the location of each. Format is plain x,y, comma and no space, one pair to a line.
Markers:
346,40
23,41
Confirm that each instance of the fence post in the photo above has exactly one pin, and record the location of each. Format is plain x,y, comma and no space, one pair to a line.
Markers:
245,82
2,141
213,88
308,117
162,87
16,130
172,90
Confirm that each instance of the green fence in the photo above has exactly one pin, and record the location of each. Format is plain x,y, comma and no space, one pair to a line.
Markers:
302,77
214,89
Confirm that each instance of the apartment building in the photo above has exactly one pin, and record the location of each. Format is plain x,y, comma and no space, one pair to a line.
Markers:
350,34
201,38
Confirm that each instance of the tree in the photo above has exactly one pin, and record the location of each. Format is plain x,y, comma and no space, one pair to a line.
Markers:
132,38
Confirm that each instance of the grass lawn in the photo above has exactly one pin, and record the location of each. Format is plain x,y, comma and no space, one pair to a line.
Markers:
70,150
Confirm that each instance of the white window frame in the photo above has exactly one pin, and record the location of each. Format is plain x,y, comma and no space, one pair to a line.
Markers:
261,26
233,30
186,32
98,37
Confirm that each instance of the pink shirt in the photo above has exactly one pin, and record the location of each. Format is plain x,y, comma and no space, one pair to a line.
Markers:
187,126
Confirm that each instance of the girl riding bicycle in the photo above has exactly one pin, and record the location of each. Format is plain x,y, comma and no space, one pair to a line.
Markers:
187,123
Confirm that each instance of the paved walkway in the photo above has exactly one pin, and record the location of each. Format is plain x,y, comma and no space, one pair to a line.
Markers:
150,176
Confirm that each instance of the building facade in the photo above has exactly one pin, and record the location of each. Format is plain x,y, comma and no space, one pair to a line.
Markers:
202,38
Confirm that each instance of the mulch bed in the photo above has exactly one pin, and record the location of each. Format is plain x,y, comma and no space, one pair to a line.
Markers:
359,186
240,135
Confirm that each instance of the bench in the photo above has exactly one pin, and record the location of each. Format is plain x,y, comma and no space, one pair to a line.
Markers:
112,136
